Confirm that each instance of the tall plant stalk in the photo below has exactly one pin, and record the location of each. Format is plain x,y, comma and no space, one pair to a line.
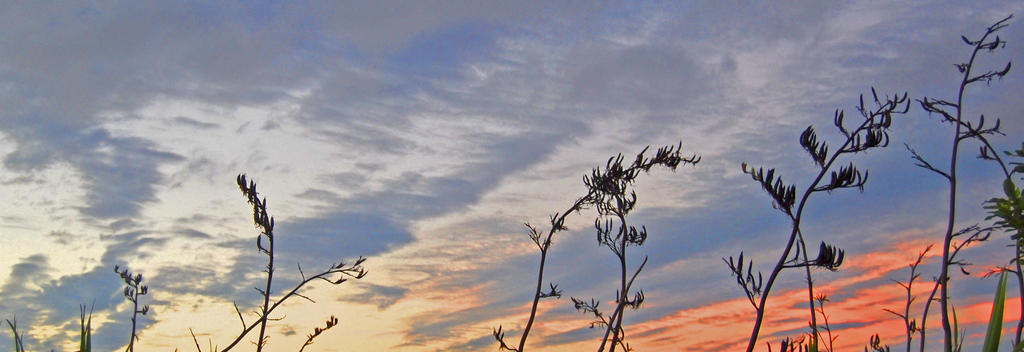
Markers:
962,130
132,290
909,323
615,200
266,225
872,132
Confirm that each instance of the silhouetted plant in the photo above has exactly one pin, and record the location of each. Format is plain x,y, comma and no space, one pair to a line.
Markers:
875,343
828,337
974,234
790,345
335,274
543,242
609,191
910,323
332,322
132,290
85,340
872,132
614,199
952,112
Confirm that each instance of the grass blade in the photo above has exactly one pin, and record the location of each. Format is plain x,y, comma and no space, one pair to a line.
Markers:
85,342
995,322
18,345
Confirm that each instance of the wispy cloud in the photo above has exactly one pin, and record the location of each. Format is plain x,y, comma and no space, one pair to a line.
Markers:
423,135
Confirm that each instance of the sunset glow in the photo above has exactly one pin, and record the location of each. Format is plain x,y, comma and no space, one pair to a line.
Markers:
423,135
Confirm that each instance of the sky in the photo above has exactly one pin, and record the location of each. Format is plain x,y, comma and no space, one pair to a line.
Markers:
423,135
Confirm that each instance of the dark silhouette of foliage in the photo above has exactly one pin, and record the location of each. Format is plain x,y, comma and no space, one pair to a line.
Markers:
609,191
875,343
332,322
132,290
828,337
872,132
909,322
335,274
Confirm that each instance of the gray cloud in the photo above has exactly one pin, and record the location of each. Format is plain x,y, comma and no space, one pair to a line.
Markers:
193,123
121,171
99,60
61,237
194,234
32,294
654,76
382,27
581,334
373,67
32,270
438,326
378,295
358,226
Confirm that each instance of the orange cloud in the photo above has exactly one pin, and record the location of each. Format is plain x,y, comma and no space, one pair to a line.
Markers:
853,316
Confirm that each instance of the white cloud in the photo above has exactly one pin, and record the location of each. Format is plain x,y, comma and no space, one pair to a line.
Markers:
424,134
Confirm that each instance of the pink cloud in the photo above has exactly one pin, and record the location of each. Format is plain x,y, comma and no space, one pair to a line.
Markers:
855,311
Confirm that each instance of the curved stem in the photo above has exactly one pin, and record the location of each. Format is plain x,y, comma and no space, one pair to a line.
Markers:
793,236
924,315
544,246
266,293
294,291
810,288
536,298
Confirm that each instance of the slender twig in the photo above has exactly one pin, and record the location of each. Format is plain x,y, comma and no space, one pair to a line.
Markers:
317,331
557,224
910,324
198,349
345,271
978,234
335,274
821,299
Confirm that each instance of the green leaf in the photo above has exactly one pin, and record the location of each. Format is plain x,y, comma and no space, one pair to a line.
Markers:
1010,189
995,321
85,341
18,347
956,331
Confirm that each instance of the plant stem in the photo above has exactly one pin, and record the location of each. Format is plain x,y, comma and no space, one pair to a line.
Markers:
135,312
793,238
624,290
810,290
544,246
536,299
266,293
294,291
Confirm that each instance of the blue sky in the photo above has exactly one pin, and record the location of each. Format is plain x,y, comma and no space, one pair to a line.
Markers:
422,135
